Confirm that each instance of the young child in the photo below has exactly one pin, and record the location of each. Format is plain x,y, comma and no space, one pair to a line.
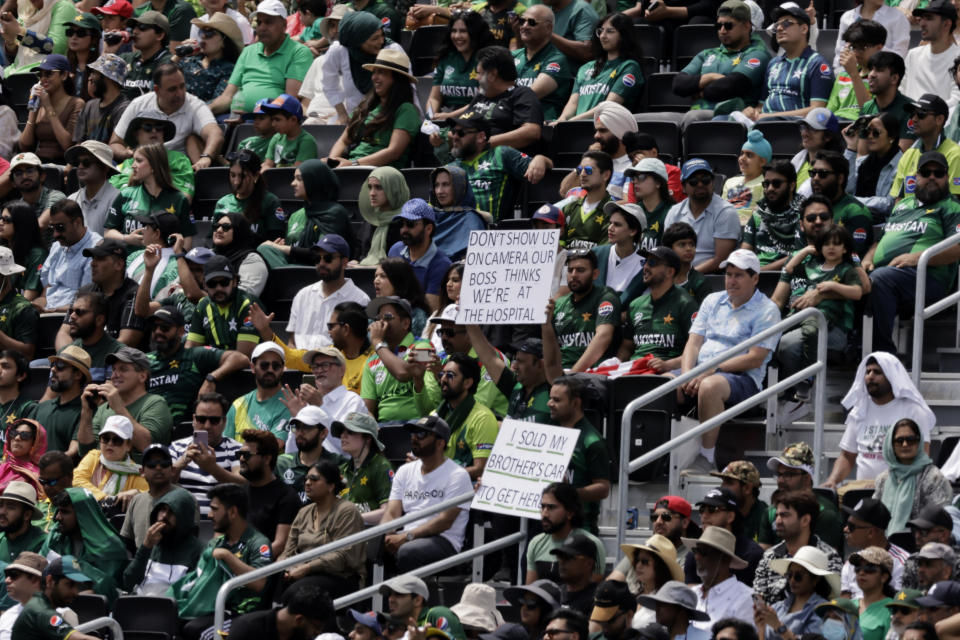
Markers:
290,145
681,237
311,15
745,191
264,128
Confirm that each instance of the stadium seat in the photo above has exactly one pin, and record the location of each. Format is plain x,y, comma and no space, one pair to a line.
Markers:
570,140
53,176
37,380
242,131
722,163
513,224
667,135
829,494
423,48
837,9
278,182
545,191
146,613
650,37
90,606
18,87
691,39
424,86
204,237
905,540
827,43
47,329
947,445
719,178
363,278
711,138
325,135
660,95
351,179
768,282
418,179
396,443
652,421
283,284
784,137
182,430
211,184
916,36
853,496
70,183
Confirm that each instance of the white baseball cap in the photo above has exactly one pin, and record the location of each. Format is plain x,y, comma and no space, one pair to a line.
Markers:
272,8
9,266
268,347
743,258
312,416
119,425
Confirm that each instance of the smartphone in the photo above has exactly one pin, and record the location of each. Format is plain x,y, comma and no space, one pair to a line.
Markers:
758,602
201,436
309,379
422,355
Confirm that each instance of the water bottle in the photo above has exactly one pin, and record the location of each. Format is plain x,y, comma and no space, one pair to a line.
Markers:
238,106
34,102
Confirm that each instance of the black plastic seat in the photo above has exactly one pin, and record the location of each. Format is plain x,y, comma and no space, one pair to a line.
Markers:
90,606
418,179
424,87
691,39
363,278
660,95
242,131
827,44
547,191
723,164
351,179
570,141
211,183
53,176
423,48
146,613
284,283
515,224
396,443
711,137
667,135
650,37
325,135
278,182
19,85
784,137
47,329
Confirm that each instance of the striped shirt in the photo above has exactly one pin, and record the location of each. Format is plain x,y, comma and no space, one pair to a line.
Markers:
793,83
197,481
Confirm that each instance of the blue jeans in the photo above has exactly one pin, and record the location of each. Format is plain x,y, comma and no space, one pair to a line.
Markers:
892,287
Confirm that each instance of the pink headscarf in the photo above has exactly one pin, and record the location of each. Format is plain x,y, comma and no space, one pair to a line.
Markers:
25,469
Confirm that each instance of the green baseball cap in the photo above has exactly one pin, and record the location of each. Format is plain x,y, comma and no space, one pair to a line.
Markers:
66,567
84,21
356,422
906,598
844,605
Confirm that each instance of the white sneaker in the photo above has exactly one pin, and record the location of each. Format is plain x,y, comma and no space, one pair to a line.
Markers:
792,411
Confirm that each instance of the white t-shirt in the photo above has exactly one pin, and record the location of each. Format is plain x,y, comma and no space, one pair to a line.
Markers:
418,491
192,117
930,73
865,438
618,180
310,312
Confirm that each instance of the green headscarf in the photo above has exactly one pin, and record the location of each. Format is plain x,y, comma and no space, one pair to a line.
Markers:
900,489
397,192
355,29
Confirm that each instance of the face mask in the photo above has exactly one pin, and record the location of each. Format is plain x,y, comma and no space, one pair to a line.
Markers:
834,630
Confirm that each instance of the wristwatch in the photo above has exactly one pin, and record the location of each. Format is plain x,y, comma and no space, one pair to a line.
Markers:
782,629
209,378
409,537
206,155
380,345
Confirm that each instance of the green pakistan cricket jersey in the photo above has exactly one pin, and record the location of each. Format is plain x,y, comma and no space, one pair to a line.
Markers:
550,61
457,79
223,327
135,200
576,322
489,176
809,273
622,77
660,327
912,228
179,377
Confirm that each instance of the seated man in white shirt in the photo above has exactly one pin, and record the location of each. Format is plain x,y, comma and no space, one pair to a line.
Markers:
720,595
23,577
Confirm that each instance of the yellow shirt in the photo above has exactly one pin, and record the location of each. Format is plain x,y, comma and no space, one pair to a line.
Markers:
351,377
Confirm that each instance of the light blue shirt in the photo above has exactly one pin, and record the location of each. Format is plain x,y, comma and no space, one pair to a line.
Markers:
693,633
723,327
718,220
66,270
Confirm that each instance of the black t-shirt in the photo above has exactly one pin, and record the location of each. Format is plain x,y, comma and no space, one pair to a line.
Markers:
270,505
509,110
120,313
258,625
581,601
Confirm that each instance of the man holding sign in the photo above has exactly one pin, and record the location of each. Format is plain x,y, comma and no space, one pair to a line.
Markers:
523,382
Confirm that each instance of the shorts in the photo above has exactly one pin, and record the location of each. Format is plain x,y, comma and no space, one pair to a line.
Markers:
742,387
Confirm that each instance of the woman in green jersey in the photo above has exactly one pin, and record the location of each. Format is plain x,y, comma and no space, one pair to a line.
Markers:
250,197
613,74
455,80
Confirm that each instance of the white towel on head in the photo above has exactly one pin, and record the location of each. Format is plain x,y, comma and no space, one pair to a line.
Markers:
857,398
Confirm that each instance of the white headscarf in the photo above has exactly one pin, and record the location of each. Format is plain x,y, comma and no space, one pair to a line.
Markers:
857,398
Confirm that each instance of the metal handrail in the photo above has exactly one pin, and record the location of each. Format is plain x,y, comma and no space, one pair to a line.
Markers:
99,623
361,536
920,312
817,369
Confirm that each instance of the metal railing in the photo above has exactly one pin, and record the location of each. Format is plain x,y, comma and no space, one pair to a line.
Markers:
921,312
817,369
100,623
363,536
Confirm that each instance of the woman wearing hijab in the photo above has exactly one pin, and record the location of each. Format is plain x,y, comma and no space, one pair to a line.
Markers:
110,471
233,239
381,198
317,185
809,583
26,441
912,482
38,29
456,211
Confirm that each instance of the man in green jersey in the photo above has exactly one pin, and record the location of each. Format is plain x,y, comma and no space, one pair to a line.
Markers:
309,427
69,373
589,469
659,321
18,318
582,327
850,91
540,65
771,232
586,220
929,116
523,380
262,408
151,31
885,70
179,374
742,479
828,177
18,510
407,598
918,222
40,618
222,318
386,386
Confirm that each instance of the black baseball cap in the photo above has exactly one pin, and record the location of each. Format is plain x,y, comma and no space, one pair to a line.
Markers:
945,593
870,510
169,314
433,424
577,545
218,267
792,10
158,450
928,102
472,120
107,247
533,346
939,7
165,222
934,157
932,516
610,597
720,497
663,254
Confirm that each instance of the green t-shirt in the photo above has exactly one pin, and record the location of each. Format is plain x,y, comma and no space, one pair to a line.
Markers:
654,231
590,461
19,318
661,327
287,153
181,171
395,399
135,200
223,327
271,224
149,410
809,273
488,394
367,486
260,76
585,229
60,421
751,62
843,99
457,79
253,550
912,228
98,353
906,178
576,322
622,77
875,619
10,412
551,62
139,79
406,119
532,408
897,108
29,280
39,620
257,144
849,213
697,286
247,412
32,540
490,176
179,377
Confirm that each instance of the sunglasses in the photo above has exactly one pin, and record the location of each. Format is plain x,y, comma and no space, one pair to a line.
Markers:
866,567
820,173
75,31
530,22
151,127
59,366
385,317
218,283
904,611
853,527
244,156
530,603
163,464
449,333
408,224
462,132
449,375
267,366
709,508
870,132
23,435
725,26
906,441
797,575
326,258
776,183
224,226
703,550
582,169
786,24
813,217
86,163
419,434
696,182
333,325
6,219
920,115
245,455
208,33
59,227
49,482
936,173
665,517
47,73
789,474
111,438
146,27
212,420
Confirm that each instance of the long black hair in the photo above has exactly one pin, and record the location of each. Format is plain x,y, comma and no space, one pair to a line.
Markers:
477,28
26,231
400,93
404,281
629,47
249,162
243,243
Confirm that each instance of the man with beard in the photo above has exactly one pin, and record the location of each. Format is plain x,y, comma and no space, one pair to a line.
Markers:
430,478
929,117
18,507
273,504
179,374
491,170
407,599
881,394
69,373
561,518
904,611
582,326
56,476
713,218
169,549
150,37
418,223
523,382
389,396
670,518
771,230
264,407
239,548
719,508
40,618
658,322
222,318
312,307
309,428
88,328
66,269
28,178
305,614
540,65
576,562
612,124
885,70
918,222
100,114
828,176
932,533
157,469
93,162
200,465
816,214
720,595
586,221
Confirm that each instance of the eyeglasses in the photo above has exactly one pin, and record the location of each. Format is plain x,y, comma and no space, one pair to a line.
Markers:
936,173
76,31
870,132
725,26
26,171
47,73
419,434
665,517
462,132
73,311
906,441
643,561
820,173
6,219
449,375
813,217
789,474
530,22
267,366
582,169
151,127
224,226
59,227
218,283
212,420
48,482
385,317
246,455
709,508
786,24
449,333
111,438
776,183
608,31
866,567
696,182
208,33
332,325
323,366
163,464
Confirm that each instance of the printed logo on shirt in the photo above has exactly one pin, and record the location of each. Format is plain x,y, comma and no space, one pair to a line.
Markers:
605,309
386,22
448,70
265,551
629,80
910,184
956,181
484,446
860,235
753,63
55,621
280,214
824,68
553,67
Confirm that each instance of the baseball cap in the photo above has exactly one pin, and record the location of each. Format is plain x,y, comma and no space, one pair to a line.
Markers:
472,120
55,62
791,9
675,504
939,7
533,346
906,598
507,631
872,555
199,255
938,551
550,213
329,351
692,166
27,158
333,243
932,156
945,593
406,584
170,315
870,510
822,119
165,222
152,18
107,247
630,209
284,103
929,102
845,605
272,8
742,470
663,254
368,619
373,307
931,516
268,347
449,314
85,21
120,8
720,497
576,545
416,209
653,166
610,597
66,567
156,449
743,258
130,356
311,416
798,455
736,9
432,424
218,267
9,266
119,425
